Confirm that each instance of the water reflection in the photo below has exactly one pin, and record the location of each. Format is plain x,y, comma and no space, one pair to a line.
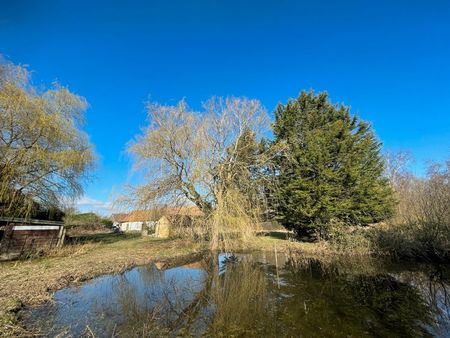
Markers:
255,295
354,305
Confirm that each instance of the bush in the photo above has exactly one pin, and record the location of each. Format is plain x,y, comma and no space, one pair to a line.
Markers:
421,228
87,222
353,240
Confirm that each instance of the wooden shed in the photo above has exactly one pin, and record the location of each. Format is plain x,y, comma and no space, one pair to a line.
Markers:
20,237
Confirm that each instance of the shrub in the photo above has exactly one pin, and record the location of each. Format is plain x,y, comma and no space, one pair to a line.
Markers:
421,228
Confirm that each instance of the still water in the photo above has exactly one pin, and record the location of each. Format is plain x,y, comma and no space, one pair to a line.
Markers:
255,295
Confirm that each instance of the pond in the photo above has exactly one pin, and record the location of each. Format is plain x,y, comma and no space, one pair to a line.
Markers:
255,295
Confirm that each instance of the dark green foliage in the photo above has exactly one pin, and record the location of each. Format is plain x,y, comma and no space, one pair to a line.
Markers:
26,207
88,219
243,155
331,169
107,222
248,156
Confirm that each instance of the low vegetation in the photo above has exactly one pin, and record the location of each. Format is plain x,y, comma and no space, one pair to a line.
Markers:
421,227
86,223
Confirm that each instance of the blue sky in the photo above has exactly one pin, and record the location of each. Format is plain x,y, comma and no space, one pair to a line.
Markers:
388,60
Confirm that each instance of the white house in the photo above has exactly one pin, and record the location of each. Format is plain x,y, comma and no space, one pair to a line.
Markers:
134,221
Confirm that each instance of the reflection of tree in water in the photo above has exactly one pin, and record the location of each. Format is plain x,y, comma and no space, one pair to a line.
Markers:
153,310
138,311
242,302
352,305
232,303
392,307
151,275
244,299
434,286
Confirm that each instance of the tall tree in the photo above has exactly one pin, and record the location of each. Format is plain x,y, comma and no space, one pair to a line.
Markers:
207,158
44,155
331,170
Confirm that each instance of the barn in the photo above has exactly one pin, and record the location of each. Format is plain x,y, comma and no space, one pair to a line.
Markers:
136,221
155,222
20,236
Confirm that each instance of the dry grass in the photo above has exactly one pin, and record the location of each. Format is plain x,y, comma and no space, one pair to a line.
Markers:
80,230
421,228
285,243
31,282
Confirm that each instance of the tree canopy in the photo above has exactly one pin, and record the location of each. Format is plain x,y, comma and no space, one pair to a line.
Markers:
208,158
198,155
331,170
44,154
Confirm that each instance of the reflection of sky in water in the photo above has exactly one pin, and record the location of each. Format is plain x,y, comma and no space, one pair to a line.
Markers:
99,303
299,301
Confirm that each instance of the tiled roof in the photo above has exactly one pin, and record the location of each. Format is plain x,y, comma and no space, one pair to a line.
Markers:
155,214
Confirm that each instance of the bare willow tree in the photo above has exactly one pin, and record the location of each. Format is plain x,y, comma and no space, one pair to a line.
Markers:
210,158
403,182
396,166
44,156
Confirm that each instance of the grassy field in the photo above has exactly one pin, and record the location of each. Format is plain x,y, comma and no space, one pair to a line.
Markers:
31,282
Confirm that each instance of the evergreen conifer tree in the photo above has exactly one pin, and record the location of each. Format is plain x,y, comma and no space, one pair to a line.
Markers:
331,170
